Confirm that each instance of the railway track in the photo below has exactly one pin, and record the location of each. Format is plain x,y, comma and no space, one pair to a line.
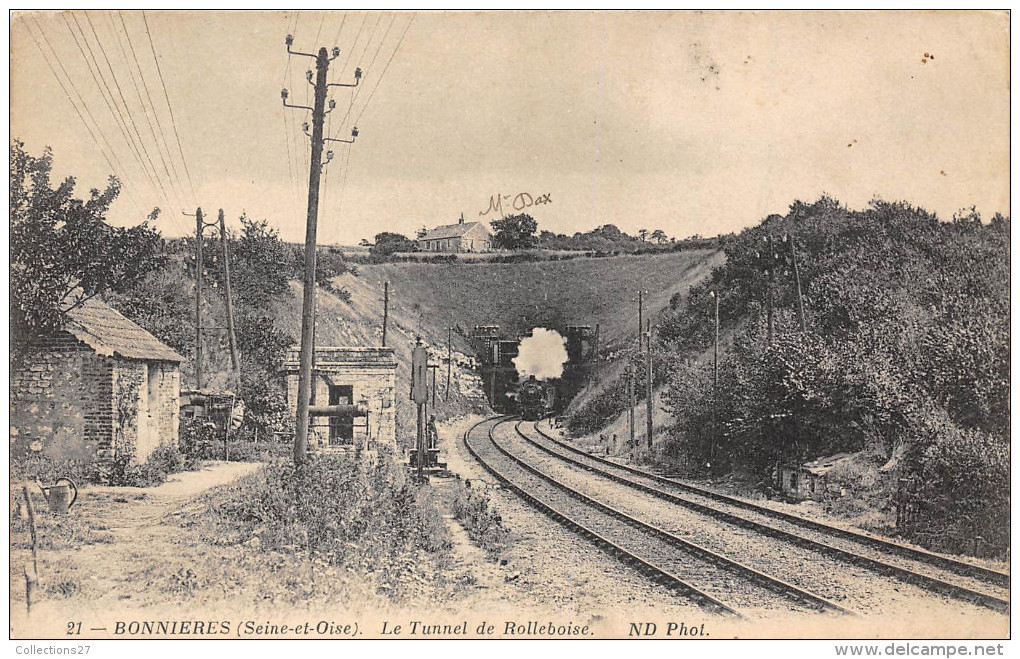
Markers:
722,585
931,572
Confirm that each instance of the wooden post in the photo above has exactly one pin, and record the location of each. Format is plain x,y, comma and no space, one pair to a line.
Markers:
630,412
715,382
421,441
386,311
648,382
771,256
232,336
31,576
640,317
311,228
449,360
199,265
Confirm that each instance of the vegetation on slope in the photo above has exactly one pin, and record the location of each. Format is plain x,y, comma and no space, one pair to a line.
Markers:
905,359
521,296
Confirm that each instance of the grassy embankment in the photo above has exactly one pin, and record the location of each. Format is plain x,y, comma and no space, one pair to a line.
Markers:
426,299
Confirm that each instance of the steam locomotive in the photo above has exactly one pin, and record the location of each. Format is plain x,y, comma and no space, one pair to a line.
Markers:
534,399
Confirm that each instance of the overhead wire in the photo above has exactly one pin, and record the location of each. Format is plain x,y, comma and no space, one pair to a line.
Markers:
347,58
346,167
107,97
336,39
166,96
385,68
291,165
329,129
148,95
319,31
127,108
112,156
148,119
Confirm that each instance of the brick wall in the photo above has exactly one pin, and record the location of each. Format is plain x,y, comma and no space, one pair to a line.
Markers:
61,401
71,404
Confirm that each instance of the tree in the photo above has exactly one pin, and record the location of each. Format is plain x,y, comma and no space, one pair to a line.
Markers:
421,233
643,233
261,264
387,243
659,236
63,253
515,232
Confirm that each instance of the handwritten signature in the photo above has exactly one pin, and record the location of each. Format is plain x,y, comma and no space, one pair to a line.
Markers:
519,202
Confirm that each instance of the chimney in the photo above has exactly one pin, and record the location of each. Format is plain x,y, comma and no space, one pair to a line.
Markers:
461,219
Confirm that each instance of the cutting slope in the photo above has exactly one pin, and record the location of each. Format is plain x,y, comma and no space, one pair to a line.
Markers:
427,299
520,296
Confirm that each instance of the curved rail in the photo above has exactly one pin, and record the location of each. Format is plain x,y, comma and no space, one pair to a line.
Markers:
771,583
925,581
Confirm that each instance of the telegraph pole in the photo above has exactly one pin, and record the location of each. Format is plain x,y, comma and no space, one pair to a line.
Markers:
630,411
322,60
715,382
648,381
640,317
199,266
449,364
232,336
386,311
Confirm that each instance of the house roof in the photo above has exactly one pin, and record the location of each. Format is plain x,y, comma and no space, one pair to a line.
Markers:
108,332
822,466
451,231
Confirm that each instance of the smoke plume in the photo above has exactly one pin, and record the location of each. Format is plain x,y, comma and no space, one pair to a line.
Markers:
542,354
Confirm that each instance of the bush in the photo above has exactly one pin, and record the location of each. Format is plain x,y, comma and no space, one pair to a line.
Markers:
960,490
200,438
484,526
598,411
343,513
125,471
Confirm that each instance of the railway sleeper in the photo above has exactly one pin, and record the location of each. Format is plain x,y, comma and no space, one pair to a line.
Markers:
952,565
771,583
925,582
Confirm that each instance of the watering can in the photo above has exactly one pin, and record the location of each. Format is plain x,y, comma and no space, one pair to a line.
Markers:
57,495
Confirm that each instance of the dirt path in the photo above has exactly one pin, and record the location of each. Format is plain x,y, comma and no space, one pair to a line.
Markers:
150,504
114,545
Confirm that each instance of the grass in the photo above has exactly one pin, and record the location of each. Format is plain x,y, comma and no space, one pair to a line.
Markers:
54,532
339,534
484,525
335,516
520,296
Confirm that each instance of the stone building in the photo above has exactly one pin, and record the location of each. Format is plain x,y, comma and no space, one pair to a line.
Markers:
365,377
100,388
460,237
811,479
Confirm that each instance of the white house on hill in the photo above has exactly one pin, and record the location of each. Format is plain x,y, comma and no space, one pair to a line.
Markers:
460,237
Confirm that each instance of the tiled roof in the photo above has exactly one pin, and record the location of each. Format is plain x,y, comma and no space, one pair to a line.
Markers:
108,332
449,231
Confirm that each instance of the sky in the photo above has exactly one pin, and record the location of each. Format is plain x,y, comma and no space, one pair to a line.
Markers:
689,122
